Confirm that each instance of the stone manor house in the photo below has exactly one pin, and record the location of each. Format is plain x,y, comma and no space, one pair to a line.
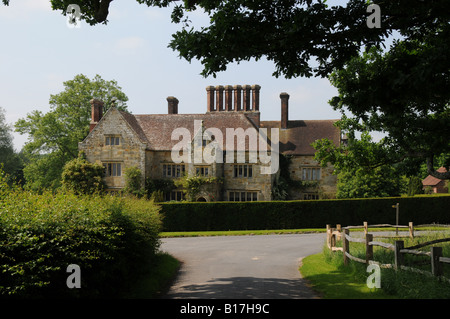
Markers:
119,140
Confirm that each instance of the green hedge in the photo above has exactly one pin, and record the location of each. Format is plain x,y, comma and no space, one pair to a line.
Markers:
110,239
302,214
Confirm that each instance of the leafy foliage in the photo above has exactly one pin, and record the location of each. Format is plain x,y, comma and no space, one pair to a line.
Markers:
382,181
157,187
192,185
224,216
284,185
291,33
54,136
83,177
133,183
402,93
9,159
40,235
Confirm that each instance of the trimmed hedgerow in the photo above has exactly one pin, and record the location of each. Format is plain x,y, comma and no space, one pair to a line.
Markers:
302,214
110,239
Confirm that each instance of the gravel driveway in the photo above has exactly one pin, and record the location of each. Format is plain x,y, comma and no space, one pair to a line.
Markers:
242,267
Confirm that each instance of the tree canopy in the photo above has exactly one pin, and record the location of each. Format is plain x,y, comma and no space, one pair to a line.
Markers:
54,136
401,90
301,37
10,161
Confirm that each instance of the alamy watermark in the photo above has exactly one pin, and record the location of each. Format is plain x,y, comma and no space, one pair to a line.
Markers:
73,13
374,20
207,146
74,279
374,279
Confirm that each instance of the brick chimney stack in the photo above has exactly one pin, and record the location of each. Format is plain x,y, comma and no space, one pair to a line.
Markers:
233,98
96,114
237,98
255,97
246,97
228,98
284,110
219,98
210,98
172,104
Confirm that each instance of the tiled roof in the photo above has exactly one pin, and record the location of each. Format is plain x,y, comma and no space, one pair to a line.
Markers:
156,130
298,137
433,181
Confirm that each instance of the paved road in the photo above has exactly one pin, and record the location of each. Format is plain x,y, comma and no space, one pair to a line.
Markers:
242,267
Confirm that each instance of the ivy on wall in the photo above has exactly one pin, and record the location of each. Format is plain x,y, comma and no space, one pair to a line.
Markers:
192,185
283,183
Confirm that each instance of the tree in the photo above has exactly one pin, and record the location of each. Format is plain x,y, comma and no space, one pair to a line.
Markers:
360,174
10,161
404,94
133,181
294,34
383,181
311,38
83,177
54,136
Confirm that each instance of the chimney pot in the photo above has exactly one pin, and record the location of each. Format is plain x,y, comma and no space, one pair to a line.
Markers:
284,110
246,97
172,104
96,113
210,98
219,98
255,97
228,98
237,97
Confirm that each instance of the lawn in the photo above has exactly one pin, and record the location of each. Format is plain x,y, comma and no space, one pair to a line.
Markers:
333,282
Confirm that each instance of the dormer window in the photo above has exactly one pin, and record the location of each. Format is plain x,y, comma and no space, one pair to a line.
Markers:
112,140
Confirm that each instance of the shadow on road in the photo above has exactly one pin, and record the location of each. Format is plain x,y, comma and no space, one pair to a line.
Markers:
244,288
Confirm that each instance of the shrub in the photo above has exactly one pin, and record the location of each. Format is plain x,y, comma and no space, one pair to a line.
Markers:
40,235
82,177
302,214
133,184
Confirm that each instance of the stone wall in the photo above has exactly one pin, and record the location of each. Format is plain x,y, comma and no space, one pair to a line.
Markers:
130,152
327,183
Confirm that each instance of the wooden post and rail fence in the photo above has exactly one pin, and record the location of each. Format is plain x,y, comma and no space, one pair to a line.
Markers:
343,233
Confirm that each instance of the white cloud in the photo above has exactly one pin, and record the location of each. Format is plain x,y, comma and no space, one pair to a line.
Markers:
129,45
24,10
41,5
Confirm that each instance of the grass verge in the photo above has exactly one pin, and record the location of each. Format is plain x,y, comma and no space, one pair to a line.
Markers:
333,282
242,232
156,281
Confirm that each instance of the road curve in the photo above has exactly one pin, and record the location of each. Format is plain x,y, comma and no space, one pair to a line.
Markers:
242,267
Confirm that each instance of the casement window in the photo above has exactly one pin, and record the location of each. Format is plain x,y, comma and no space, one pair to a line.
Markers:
243,171
242,196
310,196
113,169
174,196
202,170
310,174
173,170
112,140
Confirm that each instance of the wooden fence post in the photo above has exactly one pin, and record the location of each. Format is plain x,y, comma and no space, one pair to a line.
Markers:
436,266
328,236
366,230
339,229
411,230
399,244
332,239
369,248
345,246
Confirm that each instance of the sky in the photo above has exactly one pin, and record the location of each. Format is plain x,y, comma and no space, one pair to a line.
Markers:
39,52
